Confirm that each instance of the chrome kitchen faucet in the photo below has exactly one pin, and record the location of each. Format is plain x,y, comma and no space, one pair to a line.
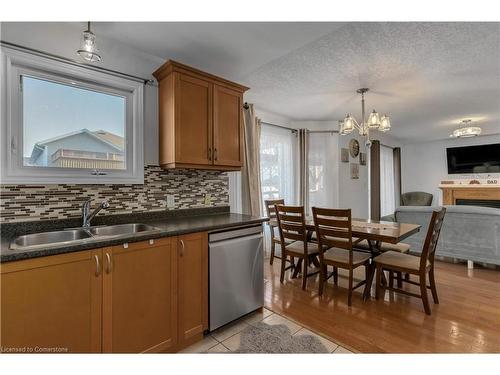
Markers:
86,216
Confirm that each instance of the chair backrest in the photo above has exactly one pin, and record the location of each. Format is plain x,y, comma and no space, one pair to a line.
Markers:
270,209
416,198
333,228
432,237
291,224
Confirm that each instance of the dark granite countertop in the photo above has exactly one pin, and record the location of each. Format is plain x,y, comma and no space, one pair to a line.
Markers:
168,223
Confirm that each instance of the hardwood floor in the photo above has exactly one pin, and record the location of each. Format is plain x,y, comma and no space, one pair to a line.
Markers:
466,320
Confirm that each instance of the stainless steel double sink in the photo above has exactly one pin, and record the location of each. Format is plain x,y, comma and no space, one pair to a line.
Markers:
77,235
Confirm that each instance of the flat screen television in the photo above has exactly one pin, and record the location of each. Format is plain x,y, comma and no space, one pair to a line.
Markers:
474,159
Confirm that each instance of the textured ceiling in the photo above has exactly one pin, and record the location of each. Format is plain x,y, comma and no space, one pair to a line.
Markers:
230,49
426,76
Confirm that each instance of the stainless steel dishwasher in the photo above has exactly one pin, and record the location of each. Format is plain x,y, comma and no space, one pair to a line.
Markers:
236,269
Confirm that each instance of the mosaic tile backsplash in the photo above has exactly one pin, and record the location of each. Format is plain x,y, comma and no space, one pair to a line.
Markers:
33,202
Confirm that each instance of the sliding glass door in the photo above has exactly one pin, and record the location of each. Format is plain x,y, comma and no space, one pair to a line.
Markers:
277,164
278,155
279,167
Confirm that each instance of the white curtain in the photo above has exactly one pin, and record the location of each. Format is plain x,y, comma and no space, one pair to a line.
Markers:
278,160
277,164
323,165
387,195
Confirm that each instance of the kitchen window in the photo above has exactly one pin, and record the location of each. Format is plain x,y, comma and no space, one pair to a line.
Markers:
68,124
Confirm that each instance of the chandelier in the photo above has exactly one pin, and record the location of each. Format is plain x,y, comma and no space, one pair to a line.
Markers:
88,49
466,130
375,122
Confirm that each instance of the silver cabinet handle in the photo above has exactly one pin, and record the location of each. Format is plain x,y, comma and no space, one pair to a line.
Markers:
109,264
183,248
97,266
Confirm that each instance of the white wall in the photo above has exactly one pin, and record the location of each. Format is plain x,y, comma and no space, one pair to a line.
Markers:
63,39
353,193
423,165
386,139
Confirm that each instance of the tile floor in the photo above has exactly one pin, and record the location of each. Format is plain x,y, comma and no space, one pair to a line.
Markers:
227,338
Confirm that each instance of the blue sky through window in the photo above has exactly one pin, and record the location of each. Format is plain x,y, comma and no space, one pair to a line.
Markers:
52,109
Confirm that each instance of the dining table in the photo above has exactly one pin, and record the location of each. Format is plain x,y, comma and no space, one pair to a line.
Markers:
375,232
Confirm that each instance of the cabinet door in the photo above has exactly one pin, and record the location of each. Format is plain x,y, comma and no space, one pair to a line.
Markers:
193,287
228,127
52,304
139,301
193,120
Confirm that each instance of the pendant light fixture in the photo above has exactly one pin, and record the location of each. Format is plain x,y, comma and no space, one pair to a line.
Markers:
374,122
466,130
88,49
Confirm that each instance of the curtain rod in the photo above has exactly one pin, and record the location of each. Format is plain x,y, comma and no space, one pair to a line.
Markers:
295,130
76,63
323,131
279,126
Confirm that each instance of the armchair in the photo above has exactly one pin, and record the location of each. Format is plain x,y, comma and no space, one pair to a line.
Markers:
416,198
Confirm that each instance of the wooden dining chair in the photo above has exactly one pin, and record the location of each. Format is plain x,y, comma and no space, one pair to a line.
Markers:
421,266
273,224
400,247
335,246
293,241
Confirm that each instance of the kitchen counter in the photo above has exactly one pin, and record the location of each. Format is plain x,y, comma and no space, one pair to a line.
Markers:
169,223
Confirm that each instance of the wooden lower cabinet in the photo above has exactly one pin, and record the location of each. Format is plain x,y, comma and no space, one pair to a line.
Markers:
139,297
52,304
193,287
148,296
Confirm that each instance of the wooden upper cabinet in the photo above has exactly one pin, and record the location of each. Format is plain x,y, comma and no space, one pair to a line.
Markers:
200,119
52,303
139,297
228,127
193,120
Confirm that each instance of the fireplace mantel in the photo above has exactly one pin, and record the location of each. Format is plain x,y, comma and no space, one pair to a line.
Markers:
452,192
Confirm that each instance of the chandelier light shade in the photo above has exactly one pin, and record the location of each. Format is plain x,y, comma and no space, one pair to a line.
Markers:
373,120
385,123
88,49
348,124
466,130
341,127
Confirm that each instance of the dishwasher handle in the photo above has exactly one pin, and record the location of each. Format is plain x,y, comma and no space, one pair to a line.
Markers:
234,240
235,233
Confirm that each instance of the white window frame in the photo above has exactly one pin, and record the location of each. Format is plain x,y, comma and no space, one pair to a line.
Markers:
18,63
